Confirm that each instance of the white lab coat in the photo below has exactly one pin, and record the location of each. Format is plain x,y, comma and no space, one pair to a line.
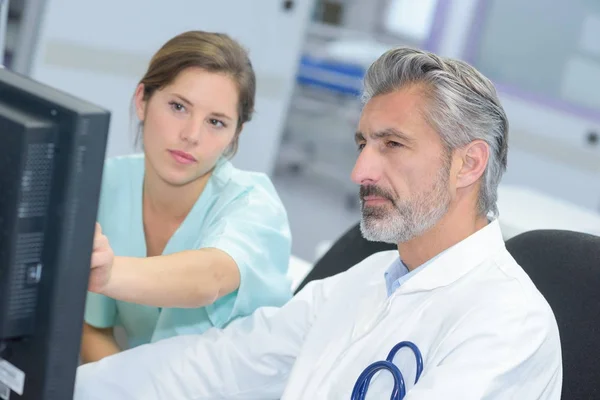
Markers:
483,328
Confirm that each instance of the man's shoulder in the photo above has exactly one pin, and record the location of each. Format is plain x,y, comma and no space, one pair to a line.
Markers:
497,306
503,288
507,276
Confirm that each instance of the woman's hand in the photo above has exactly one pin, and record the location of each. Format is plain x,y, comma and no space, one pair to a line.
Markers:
102,262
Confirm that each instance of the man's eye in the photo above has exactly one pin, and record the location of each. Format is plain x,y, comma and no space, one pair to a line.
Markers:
393,144
361,146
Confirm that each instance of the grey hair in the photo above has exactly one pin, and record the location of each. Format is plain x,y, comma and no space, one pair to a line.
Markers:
464,107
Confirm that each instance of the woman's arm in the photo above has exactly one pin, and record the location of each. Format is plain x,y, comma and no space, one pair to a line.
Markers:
247,239
250,359
97,343
187,279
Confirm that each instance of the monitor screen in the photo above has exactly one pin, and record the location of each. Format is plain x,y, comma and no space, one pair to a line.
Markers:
52,149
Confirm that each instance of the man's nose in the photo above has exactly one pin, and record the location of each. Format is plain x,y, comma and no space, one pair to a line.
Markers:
367,169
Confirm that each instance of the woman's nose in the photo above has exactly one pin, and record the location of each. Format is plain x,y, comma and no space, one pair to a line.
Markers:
192,131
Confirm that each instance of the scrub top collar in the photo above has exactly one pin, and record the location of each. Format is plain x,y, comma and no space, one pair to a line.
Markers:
220,176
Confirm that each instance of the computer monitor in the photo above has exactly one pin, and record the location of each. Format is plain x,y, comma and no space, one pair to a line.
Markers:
52,149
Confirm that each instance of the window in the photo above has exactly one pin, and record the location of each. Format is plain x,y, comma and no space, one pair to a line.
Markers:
552,53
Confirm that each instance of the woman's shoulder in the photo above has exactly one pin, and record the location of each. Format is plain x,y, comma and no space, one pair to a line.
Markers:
241,183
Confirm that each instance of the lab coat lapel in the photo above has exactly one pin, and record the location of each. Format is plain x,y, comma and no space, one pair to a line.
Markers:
457,261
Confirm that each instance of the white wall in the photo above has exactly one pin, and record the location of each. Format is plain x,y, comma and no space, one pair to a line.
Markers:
363,16
99,50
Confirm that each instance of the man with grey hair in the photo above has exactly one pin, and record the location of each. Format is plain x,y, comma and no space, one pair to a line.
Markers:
451,312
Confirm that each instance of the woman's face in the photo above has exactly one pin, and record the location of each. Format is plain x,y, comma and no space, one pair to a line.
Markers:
188,125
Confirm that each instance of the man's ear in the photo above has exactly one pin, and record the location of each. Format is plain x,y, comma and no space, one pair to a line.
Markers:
140,103
475,158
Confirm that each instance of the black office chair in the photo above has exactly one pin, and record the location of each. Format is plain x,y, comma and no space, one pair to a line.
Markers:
347,251
565,267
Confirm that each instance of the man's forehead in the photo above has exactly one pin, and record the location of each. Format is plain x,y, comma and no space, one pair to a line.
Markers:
377,125
401,110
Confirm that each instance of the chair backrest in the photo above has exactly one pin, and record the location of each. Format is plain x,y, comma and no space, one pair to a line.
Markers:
347,251
565,267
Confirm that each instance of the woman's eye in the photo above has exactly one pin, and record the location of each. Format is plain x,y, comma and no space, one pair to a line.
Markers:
177,107
217,123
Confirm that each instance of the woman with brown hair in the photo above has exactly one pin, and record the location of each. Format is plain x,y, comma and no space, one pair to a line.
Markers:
184,240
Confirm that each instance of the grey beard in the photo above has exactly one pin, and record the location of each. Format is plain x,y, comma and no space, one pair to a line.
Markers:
403,223
400,222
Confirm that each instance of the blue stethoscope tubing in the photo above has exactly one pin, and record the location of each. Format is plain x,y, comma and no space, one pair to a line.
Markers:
362,383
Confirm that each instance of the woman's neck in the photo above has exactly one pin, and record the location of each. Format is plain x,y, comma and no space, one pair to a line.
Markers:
169,201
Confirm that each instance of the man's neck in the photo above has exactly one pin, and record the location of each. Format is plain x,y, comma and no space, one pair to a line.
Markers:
168,201
453,228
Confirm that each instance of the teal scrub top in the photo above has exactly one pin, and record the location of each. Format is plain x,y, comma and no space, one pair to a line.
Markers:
238,212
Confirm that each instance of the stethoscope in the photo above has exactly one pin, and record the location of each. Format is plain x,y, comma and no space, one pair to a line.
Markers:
362,383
